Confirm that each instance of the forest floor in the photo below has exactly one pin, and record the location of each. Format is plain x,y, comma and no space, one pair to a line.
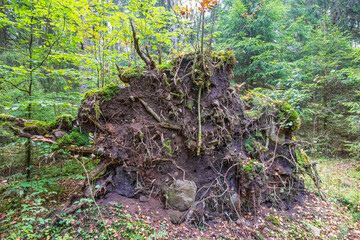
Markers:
336,217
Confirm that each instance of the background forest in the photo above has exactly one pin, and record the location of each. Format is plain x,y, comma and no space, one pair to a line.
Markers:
305,52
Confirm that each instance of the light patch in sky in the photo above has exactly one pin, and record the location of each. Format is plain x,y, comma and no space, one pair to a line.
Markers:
190,3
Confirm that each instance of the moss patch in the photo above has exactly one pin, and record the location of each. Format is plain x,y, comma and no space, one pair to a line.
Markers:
225,57
37,127
75,138
62,122
5,117
107,92
253,167
97,110
221,57
287,116
133,72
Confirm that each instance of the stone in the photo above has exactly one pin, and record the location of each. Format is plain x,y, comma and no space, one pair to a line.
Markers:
181,194
314,230
143,198
275,135
59,134
235,200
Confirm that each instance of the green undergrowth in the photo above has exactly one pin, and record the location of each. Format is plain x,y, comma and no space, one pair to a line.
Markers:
168,65
75,138
340,182
25,205
288,117
108,92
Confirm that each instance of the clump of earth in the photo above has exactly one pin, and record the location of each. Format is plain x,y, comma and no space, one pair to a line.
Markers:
181,134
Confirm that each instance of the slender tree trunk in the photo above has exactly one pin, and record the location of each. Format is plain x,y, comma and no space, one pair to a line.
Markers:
29,107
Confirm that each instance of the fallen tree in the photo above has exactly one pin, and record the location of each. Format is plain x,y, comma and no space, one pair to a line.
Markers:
180,132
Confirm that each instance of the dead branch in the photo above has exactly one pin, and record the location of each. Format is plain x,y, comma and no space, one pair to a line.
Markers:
148,61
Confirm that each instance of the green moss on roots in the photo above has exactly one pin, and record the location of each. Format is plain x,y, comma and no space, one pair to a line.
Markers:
225,57
133,72
107,92
63,122
74,138
288,116
38,127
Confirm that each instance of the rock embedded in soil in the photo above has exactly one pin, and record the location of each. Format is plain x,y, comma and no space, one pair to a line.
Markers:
59,134
181,194
143,198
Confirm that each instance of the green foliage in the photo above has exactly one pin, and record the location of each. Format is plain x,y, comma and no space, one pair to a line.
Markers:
252,168
339,179
168,65
167,146
26,204
296,54
288,116
302,158
74,138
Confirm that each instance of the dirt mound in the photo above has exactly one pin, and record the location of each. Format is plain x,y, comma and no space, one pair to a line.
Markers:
183,122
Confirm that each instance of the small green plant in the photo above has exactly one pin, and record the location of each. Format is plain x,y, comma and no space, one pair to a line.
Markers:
75,138
167,146
252,168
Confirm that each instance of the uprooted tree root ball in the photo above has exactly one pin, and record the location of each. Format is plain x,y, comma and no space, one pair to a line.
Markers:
181,134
